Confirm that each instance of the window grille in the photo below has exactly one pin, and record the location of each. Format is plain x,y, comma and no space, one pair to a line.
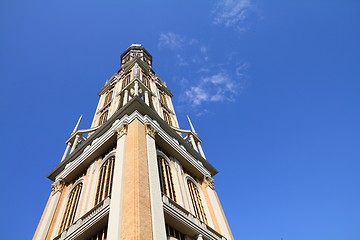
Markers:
103,117
166,180
71,207
196,201
103,189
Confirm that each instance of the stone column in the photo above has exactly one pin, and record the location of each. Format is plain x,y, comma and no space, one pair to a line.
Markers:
193,142
222,223
147,97
75,143
136,222
126,96
68,146
136,88
114,226
157,213
200,149
46,218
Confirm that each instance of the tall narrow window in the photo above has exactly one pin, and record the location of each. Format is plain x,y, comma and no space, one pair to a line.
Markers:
71,207
163,99
167,118
103,117
125,81
166,180
105,180
196,201
145,80
108,97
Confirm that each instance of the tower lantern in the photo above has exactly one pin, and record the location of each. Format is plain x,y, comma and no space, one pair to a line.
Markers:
134,174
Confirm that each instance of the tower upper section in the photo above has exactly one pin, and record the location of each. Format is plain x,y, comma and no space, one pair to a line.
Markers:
136,51
135,78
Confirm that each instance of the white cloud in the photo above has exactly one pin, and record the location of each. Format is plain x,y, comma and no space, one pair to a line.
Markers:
209,82
214,88
197,95
187,50
171,40
232,13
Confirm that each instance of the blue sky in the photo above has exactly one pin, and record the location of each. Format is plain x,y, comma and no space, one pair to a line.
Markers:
272,88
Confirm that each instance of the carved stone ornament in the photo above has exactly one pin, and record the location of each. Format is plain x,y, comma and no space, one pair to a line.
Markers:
209,181
122,130
57,186
150,130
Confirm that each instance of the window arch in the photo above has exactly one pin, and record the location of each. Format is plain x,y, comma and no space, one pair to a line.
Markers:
103,189
166,180
196,201
71,207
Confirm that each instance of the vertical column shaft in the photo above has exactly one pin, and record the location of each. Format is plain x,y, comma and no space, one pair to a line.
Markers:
126,96
66,151
46,219
193,142
136,86
136,208
157,213
75,143
147,98
200,150
114,226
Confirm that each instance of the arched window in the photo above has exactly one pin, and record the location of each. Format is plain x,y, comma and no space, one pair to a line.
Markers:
103,117
71,207
166,180
103,189
196,201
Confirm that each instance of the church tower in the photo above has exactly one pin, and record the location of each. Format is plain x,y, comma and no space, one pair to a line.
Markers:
134,174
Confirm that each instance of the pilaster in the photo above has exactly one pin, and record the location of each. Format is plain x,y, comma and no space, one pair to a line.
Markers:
115,215
157,213
136,222
47,217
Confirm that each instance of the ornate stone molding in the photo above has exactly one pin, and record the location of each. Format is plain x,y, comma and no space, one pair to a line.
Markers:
57,186
209,181
122,130
150,130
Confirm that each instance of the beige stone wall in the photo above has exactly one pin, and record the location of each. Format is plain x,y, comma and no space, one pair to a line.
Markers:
136,213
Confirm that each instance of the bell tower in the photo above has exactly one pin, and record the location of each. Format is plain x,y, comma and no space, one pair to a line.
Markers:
134,174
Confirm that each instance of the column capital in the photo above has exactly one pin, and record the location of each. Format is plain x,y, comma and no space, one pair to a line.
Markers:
57,186
150,130
122,130
209,181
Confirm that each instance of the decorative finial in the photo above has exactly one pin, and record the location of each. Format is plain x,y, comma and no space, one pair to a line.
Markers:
77,124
